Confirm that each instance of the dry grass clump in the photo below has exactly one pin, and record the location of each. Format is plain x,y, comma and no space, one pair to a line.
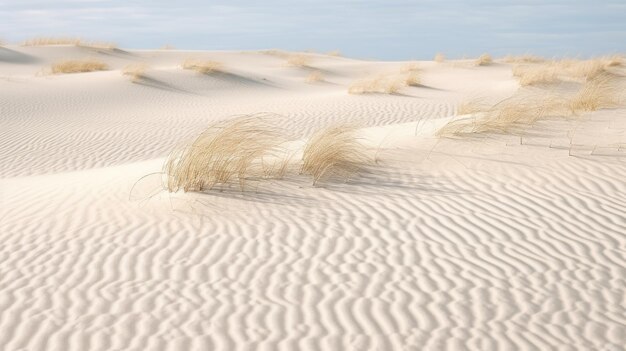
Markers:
44,41
298,60
527,58
472,106
483,60
413,78
334,53
598,92
383,84
136,71
314,77
333,153
439,57
534,75
227,153
204,67
78,66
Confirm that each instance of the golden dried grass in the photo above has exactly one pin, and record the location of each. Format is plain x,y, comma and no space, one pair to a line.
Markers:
227,153
527,58
203,66
48,41
520,110
483,60
439,57
314,77
536,74
299,60
413,78
528,106
598,92
382,84
136,71
334,53
78,66
472,106
333,153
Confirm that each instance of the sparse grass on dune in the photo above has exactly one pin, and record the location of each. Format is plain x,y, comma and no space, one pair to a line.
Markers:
49,41
522,109
535,75
334,53
439,57
203,66
382,84
136,71
333,153
78,66
484,60
167,47
528,106
314,77
527,58
299,60
228,153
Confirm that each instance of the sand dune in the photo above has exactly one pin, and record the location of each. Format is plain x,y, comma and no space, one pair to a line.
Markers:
490,242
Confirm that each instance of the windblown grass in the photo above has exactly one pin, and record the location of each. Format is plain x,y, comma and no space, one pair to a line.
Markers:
522,109
439,57
227,153
299,60
203,67
472,106
530,105
596,93
333,153
136,71
314,77
483,60
535,75
78,66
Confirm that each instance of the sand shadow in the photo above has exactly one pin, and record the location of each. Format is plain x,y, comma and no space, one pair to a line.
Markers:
12,56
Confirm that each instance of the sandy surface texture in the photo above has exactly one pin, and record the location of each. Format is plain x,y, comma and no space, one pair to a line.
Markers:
512,241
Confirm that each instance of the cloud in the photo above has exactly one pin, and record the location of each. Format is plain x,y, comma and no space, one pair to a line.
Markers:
370,28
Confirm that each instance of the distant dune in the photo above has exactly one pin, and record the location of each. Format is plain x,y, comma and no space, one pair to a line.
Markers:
471,204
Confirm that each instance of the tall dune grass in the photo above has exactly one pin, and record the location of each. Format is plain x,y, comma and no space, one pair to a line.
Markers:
439,57
333,153
228,153
599,92
203,66
78,66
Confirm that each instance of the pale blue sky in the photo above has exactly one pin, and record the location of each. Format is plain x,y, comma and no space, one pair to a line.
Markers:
385,29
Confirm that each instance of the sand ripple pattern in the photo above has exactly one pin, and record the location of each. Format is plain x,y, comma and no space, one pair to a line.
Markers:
398,260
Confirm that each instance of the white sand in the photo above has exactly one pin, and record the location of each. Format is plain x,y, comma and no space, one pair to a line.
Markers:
491,243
